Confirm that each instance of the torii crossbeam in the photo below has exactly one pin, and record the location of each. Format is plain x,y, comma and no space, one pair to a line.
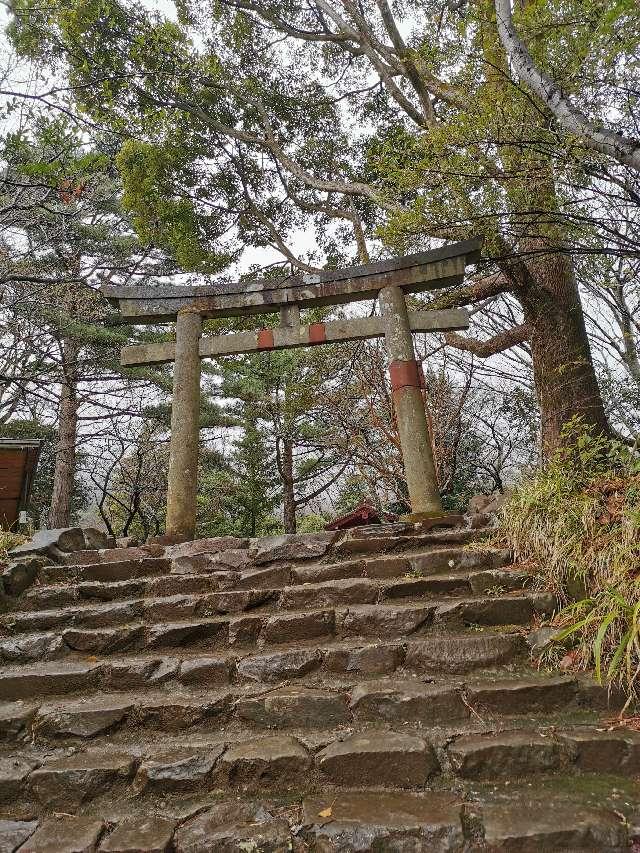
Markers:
386,280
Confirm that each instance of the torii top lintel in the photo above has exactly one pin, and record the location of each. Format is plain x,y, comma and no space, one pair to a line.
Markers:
438,268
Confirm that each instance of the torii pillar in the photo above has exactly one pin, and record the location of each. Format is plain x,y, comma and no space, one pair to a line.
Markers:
413,429
182,494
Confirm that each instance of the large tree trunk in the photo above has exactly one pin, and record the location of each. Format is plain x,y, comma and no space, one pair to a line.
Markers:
65,467
287,484
563,370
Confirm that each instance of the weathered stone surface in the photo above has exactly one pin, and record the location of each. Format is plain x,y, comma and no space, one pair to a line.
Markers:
291,627
234,601
506,579
206,546
13,833
245,630
31,647
295,707
354,544
81,718
501,610
386,620
104,640
189,584
46,679
276,666
407,701
19,575
170,635
323,573
205,670
233,826
378,758
305,546
507,754
113,590
389,822
66,783
523,695
177,770
106,571
612,751
130,672
535,826
462,653
452,559
13,775
383,568
49,597
539,639
419,587
15,718
174,712
272,577
140,835
95,539
42,541
43,620
279,760
213,564
65,833
169,608
369,659
345,591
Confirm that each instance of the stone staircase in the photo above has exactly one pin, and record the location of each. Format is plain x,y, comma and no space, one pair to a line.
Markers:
370,690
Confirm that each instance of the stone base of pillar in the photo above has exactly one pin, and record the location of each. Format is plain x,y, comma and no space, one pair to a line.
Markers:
429,520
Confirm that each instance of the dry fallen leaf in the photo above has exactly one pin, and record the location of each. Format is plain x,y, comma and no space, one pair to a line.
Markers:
326,812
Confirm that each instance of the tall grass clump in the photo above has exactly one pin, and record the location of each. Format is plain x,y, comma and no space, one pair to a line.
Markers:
576,523
9,540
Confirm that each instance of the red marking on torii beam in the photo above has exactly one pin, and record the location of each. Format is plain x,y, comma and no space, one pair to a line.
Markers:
317,333
265,339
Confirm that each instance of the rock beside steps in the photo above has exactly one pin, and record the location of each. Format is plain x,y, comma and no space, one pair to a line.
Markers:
368,691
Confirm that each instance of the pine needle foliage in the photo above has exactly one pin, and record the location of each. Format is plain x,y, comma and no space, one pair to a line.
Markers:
576,523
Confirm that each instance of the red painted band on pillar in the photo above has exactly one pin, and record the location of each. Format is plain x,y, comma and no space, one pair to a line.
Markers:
265,339
317,333
404,374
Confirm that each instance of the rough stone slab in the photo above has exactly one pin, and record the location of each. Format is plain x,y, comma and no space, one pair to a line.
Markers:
134,672
233,825
171,635
206,546
463,652
81,718
14,773
177,770
234,601
42,541
190,584
245,630
436,561
140,835
291,627
114,555
279,760
367,659
277,666
385,821
506,579
68,834
383,568
502,610
66,783
272,577
295,707
386,620
18,576
15,718
353,544
112,590
419,587
169,608
105,641
107,571
49,597
31,647
614,751
171,711
13,833
389,759
290,547
205,670
523,695
535,826
47,678
324,573
514,754
407,701
330,593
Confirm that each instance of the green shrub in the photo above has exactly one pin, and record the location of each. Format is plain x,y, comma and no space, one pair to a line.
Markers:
576,523
9,540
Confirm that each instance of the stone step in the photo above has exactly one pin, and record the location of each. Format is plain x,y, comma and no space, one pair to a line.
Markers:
375,758
401,701
454,653
520,754
425,822
172,622
120,570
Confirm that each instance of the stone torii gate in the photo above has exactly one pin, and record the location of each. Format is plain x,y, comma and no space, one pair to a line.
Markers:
388,281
